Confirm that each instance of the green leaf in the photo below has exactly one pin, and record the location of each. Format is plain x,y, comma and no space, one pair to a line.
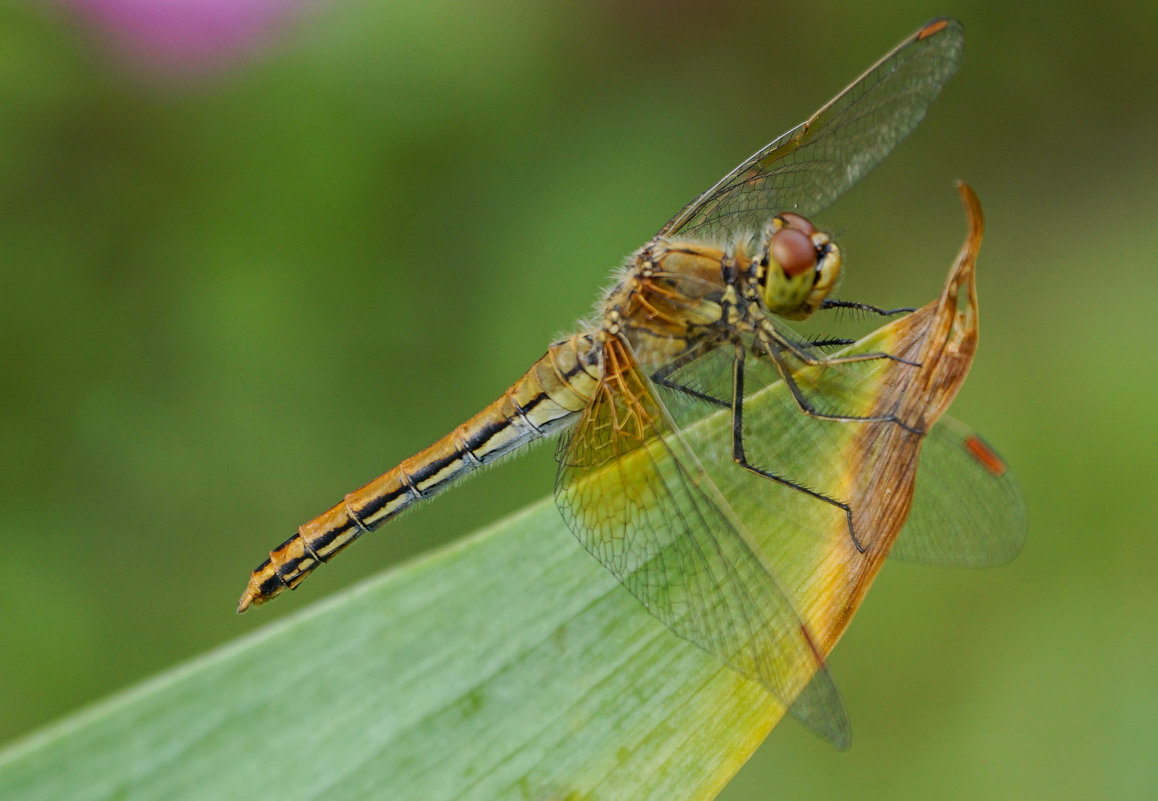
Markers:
510,665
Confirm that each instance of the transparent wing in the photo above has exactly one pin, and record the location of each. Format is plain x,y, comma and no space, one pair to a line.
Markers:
807,168
968,509
638,499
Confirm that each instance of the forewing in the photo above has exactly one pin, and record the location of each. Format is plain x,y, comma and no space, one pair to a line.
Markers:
968,509
639,500
809,167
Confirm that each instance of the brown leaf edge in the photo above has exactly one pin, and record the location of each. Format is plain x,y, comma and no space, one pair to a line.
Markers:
942,338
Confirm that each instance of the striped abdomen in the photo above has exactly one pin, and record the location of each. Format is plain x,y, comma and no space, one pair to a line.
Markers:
548,397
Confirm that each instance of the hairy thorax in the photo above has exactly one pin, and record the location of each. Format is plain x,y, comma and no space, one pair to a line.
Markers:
675,295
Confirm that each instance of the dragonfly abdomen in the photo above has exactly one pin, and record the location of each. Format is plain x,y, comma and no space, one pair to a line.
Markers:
547,398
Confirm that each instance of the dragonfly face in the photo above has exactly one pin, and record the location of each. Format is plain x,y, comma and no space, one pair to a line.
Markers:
800,267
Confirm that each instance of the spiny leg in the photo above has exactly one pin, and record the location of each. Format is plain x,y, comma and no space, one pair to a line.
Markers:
662,377
833,303
828,342
798,350
741,458
774,352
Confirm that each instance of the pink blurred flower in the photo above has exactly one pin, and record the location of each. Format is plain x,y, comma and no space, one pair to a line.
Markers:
187,36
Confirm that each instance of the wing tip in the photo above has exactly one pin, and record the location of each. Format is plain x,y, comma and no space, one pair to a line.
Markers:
939,24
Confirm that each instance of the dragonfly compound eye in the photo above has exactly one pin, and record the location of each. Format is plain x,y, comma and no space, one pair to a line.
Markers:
799,223
793,251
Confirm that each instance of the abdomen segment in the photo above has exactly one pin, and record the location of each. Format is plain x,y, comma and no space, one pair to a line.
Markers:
540,403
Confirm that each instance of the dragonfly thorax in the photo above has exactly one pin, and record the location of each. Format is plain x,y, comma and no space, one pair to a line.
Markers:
800,266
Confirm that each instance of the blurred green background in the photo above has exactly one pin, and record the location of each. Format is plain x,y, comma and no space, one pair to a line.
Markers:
228,298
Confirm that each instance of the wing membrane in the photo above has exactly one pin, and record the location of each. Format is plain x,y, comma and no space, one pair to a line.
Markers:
817,161
638,500
968,509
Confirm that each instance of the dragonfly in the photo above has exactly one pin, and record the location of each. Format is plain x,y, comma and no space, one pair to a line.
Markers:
696,326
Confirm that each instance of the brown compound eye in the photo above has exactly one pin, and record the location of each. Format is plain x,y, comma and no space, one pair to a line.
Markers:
793,251
799,223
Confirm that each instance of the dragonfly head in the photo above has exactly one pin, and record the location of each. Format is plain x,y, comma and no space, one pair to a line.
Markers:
801,266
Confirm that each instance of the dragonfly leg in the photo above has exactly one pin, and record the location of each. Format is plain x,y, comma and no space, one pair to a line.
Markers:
660,377
663,377
833,303
797,349
808,408
741,458
828,342
801,352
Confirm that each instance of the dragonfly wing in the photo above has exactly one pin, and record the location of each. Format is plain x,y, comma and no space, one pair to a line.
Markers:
809,167
640,502
968,509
